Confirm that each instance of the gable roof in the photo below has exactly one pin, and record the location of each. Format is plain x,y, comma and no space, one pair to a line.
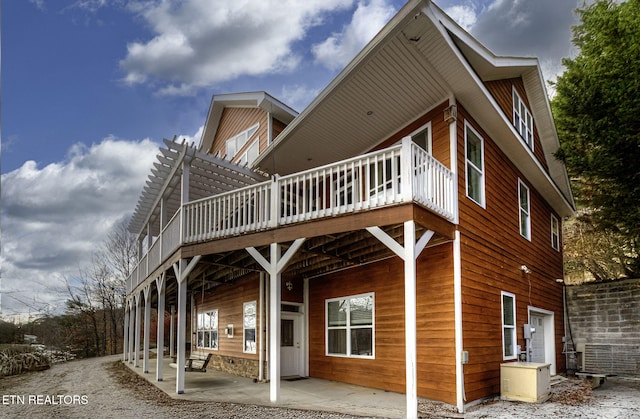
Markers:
261,100
419,60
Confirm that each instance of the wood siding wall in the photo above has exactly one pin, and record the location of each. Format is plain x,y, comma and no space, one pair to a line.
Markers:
439,134
502,91
492,253
229,300
435,345
235,120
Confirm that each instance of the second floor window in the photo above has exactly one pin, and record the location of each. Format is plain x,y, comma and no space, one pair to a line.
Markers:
525,210
555,233
474,152
235,143
522,119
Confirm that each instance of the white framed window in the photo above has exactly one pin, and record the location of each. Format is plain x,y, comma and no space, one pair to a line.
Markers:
350,326
249,312
235,143
555,233
525,210
522,119
251,154
508,326
422,137
474,156
207,325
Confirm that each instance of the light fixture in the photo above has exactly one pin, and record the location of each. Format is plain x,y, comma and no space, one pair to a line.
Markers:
289,285
450,114
369,113
524,269
559,280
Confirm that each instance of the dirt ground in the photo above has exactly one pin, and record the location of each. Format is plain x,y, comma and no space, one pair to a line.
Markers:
105,388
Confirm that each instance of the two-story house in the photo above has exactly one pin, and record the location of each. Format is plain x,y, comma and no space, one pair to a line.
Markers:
407,222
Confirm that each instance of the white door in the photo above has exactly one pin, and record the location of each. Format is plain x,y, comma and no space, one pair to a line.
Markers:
290,345
537,343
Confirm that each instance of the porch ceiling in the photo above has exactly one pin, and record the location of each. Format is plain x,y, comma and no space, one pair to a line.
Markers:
208,175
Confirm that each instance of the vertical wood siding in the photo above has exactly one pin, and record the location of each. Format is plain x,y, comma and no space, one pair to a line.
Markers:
502,92
228,300
492,253
235,120
435,327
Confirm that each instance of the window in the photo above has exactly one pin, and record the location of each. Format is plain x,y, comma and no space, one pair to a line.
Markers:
508,326
522,119
251,154
525,218
249,327
208,330
422,137
350,326
474,152
234,144
555,233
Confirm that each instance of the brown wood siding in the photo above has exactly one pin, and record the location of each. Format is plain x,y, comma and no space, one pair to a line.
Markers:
277,127
492,252
439,134
435,327
235,120
502,92
229,300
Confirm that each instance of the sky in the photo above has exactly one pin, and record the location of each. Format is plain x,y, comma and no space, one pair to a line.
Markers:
89,88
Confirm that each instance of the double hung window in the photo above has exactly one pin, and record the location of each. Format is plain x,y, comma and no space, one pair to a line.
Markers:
208,329
350,326
508,326
525,210
249,311
474,154
522,119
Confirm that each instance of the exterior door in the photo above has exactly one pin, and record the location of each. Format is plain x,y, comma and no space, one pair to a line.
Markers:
537,343
290,345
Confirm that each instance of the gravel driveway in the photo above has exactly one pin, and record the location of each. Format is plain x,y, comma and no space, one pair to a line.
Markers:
104,388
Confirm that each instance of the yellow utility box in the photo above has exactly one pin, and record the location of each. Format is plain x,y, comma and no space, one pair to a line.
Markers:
525,381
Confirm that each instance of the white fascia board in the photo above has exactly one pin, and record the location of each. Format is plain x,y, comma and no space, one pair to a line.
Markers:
444,24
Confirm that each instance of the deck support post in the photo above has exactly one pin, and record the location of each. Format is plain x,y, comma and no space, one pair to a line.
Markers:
147,328
131,330
274,267
409,254
172,332
125,334
182,271
136,349
160,334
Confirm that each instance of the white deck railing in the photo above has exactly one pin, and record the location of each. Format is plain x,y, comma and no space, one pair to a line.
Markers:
402,173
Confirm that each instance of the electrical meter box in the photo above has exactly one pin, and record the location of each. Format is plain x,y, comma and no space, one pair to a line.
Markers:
525,381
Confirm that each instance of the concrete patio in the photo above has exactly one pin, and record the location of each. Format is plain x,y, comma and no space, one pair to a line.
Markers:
307,394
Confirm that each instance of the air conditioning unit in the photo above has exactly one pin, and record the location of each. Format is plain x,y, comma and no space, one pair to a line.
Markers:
525,381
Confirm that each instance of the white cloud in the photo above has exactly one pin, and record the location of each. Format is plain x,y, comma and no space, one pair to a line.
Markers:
337,50
464,15
54,217
298,96
200,43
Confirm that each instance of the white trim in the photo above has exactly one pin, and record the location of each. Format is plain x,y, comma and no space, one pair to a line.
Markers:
511,327
429,144
527,211
457,310
481,170
348,327
549,335
555,236
255,328
201,328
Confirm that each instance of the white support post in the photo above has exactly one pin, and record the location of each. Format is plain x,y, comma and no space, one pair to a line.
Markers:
260,333
274,210
147,328
125,334
410,319
274,267
182,326
136,349
160,335
172,332
457,307
275,281
453,159
131,330
406,169
409,254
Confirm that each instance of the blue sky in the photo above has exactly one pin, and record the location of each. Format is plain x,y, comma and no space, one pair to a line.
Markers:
90,88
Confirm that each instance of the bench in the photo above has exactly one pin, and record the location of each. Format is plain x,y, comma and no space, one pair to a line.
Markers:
198,364
597,379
